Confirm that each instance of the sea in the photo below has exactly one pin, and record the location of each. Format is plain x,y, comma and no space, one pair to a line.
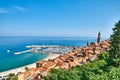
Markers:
10,45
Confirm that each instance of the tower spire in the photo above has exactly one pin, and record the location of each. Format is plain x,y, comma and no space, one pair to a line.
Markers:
87,43
99,38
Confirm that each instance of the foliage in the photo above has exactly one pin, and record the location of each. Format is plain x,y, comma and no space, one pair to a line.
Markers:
104,56
114,73
26,68
12,76
115,45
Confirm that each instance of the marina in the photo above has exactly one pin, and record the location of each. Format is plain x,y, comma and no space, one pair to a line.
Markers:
49,49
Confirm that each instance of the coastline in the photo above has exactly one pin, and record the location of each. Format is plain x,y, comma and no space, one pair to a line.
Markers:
33,65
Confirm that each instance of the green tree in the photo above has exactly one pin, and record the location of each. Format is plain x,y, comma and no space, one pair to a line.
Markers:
26,68
115,45
114,73
104,56
12,76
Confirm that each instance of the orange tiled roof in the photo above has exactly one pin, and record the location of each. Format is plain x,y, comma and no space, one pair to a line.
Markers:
41,61
80,59
42,68
35,75
98,48
70,53
49,64
89,51
59,64
88,48
36,69
64,57
97,52
86,57
105,44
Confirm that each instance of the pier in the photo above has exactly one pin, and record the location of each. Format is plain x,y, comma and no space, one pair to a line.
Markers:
43,46
22,52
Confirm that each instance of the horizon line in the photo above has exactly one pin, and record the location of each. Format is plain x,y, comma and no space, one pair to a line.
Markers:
56,36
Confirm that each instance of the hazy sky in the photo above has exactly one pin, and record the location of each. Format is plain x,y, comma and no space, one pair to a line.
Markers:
82,18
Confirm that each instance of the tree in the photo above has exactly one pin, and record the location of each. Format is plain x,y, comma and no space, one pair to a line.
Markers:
12,76
26,68
115,45
114,73
104,56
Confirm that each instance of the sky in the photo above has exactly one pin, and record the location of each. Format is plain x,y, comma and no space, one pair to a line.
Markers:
81,18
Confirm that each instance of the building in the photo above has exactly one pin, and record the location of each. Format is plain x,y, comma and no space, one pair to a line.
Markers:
41,63
99,38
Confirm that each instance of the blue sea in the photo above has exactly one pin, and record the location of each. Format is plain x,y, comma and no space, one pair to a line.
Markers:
8,60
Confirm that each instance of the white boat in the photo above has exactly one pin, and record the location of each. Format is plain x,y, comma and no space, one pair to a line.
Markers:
8,51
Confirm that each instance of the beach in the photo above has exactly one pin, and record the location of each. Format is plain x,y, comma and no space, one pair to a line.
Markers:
51,56
33,65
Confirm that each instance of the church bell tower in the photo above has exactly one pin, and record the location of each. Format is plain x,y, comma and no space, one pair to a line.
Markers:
99,38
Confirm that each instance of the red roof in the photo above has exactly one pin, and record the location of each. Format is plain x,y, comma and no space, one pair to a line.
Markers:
41,61
49,64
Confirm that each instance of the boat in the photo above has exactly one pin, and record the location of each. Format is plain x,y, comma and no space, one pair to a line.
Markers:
8,51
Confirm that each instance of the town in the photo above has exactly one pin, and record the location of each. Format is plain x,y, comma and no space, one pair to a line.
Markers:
75,57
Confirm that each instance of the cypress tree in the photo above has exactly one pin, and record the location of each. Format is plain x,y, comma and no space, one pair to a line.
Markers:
115,46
